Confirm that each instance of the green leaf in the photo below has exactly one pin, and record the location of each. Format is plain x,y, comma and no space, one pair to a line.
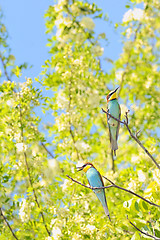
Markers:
136,206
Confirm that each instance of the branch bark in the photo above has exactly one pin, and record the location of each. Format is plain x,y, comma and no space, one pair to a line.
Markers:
125,122
154,237
44,146
5,68
116,186
6,221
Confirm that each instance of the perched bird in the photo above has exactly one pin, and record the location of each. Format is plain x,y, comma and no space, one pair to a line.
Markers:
95,180
114,109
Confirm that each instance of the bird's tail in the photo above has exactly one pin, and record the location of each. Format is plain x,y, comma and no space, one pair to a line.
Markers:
114,145
107,211
113,139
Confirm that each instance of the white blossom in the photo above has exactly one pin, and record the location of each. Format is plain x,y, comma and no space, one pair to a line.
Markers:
119,74
138,14
29,81
149,82
53,222
135,159
127,204
65,185
77,62
17,136
131,184
128,16
90,227
123,109
21,147
56,233
22,213
62,2
129,32
9,103
76,236
135,14
62,100
156,176
60,122
82,146
42,182
141,176
48,238
88,23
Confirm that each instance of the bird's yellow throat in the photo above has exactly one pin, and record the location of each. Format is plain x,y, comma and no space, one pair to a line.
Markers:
113,96
86,168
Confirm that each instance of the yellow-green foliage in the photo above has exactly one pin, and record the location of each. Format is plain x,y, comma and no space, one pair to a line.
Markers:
78,129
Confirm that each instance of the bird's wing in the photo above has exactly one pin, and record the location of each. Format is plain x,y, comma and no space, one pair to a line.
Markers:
118,123
100,179
108,117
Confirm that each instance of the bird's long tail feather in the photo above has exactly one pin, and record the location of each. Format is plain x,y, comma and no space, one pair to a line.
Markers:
107,212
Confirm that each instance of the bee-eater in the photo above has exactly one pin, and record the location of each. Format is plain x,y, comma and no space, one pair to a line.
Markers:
114,109
95,180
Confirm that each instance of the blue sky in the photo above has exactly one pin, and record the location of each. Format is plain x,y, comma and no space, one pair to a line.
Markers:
26,26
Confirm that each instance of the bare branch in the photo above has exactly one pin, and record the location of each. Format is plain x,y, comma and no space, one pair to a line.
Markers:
154,237
133,136
44,146
5,68
116,186
6,221
129,191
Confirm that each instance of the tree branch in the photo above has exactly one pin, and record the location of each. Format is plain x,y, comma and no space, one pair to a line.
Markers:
154,237
116,186
5,68
9,226
125,122
44,146
29,176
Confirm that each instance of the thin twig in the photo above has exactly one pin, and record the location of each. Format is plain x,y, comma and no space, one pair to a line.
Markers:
6,221
44,146
30,178
4,67
116,186
129,191
154,237
133,136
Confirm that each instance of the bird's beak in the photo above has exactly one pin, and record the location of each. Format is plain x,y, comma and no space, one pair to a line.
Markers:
79,169
116,89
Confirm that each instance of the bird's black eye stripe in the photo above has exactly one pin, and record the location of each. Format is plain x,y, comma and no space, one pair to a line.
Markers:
84,165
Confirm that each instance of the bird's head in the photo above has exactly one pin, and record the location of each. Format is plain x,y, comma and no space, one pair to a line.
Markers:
85,167
112,95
